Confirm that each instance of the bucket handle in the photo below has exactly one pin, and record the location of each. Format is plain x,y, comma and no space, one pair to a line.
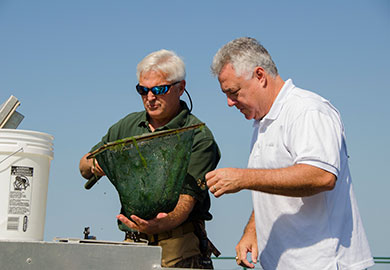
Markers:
22,146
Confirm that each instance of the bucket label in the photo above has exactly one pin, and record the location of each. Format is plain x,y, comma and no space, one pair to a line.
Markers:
20,194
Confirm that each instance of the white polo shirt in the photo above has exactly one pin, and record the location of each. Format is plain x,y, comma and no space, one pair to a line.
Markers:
323,231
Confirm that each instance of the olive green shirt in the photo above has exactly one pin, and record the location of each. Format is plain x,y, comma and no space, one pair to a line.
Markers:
205,153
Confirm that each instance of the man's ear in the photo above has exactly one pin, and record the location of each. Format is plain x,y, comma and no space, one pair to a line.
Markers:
182,85
260,75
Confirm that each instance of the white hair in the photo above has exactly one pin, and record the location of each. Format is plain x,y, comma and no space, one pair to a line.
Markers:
244,54
165,61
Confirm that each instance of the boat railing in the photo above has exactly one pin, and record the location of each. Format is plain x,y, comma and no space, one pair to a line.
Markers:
377,260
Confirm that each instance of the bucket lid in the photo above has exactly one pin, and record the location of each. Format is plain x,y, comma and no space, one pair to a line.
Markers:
26,141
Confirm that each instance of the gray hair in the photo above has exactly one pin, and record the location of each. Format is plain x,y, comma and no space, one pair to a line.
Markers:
244,54
165,61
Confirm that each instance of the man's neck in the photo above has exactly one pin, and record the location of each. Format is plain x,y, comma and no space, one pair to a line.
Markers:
155,124
276,86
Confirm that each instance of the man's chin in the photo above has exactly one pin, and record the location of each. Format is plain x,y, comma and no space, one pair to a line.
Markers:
247,116
154,112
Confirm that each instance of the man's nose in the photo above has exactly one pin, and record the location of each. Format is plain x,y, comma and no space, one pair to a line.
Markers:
231,102
150,95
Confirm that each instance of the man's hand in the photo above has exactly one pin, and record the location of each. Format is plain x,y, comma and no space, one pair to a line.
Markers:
96,169
90,167
248,243
145,226
225,180
163,221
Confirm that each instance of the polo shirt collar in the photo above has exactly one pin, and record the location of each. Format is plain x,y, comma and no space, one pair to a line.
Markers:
278,103
177,122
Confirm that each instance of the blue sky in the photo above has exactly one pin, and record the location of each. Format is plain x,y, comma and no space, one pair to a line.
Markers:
72,66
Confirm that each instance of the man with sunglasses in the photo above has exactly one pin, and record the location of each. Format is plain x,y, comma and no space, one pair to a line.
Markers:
181,233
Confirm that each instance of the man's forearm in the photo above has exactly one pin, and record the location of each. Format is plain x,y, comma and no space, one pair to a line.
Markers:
250,227
298,180
181,212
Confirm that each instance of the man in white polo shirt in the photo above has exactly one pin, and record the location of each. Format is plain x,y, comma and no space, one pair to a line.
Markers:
305,213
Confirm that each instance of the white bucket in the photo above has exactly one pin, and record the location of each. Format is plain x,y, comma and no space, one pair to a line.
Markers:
24,175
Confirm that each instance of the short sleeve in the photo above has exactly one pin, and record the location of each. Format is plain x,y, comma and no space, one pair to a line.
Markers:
204,158
315,138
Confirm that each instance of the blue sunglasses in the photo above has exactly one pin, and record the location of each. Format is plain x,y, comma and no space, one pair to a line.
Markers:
156,90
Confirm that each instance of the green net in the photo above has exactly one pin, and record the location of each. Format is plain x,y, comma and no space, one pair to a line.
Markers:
148,170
